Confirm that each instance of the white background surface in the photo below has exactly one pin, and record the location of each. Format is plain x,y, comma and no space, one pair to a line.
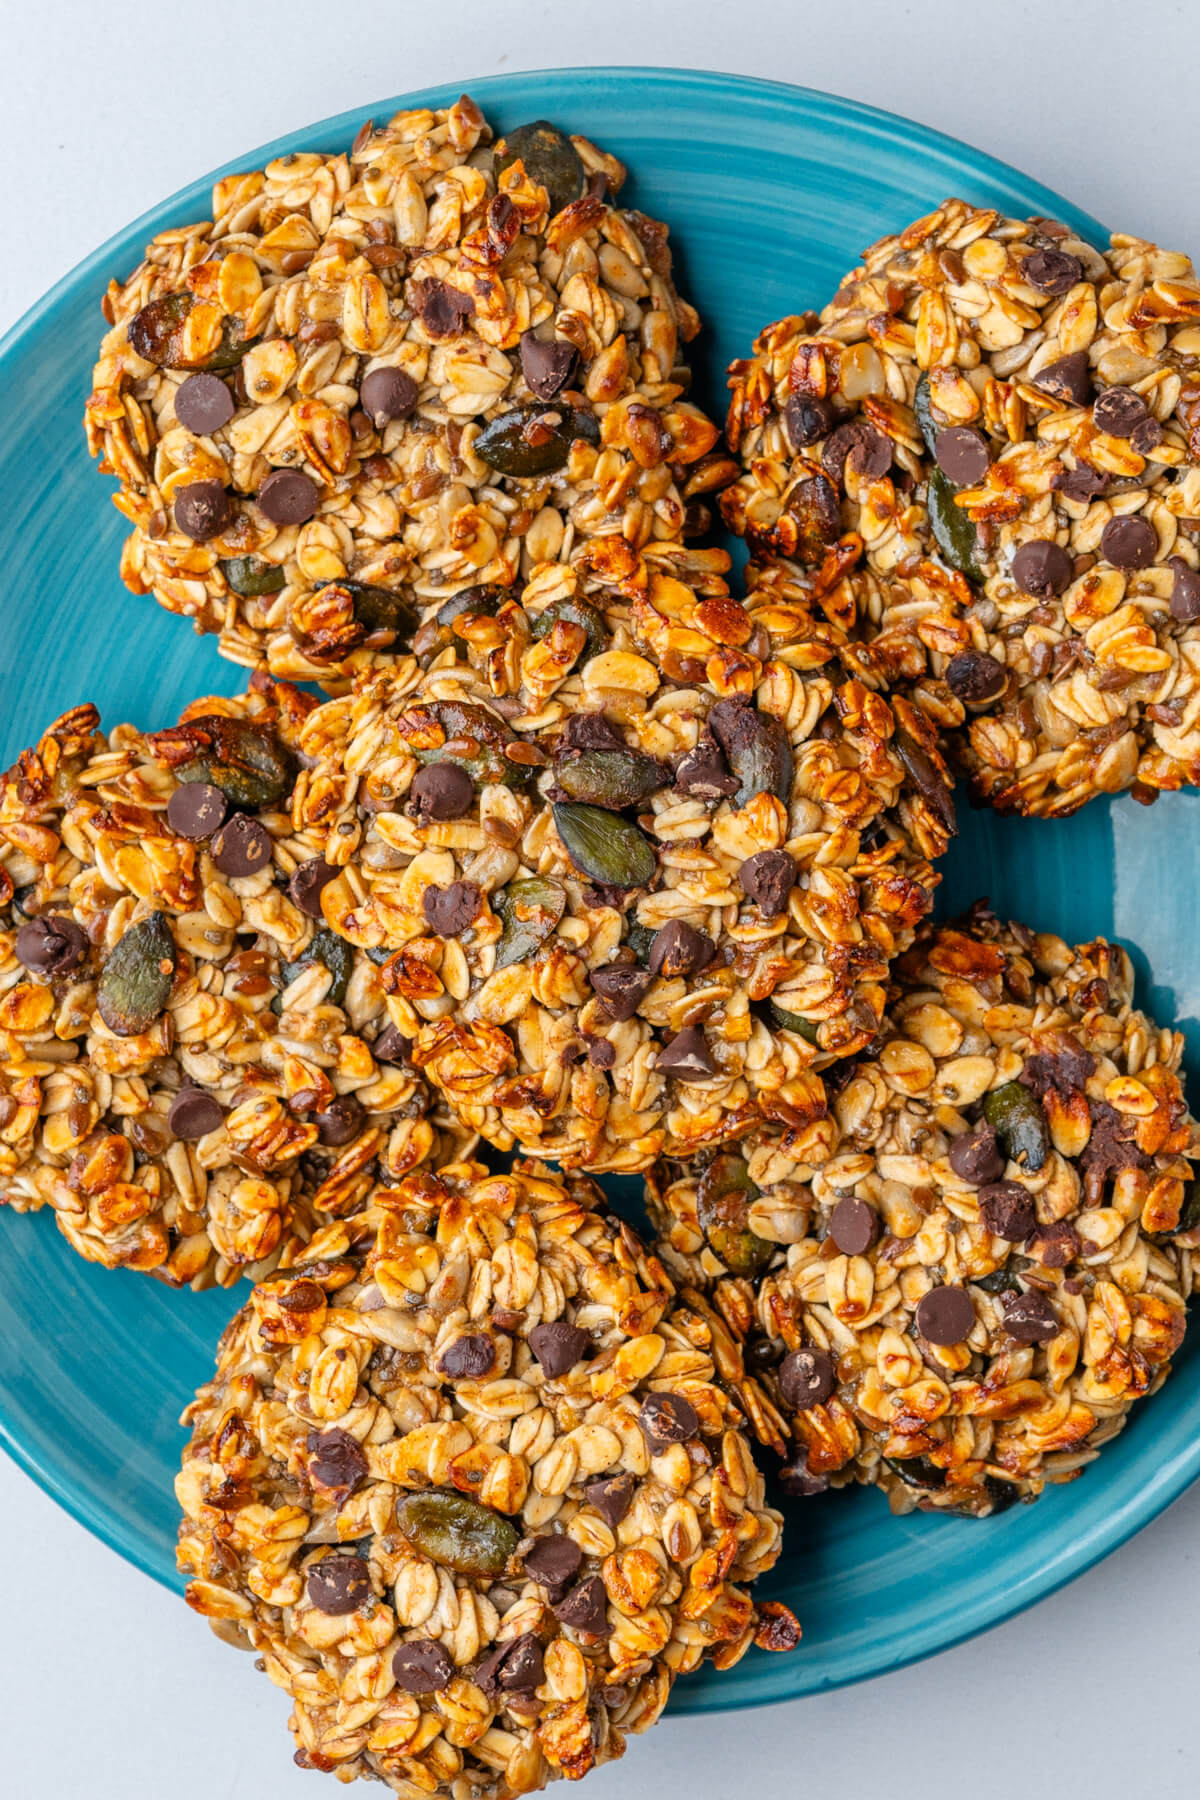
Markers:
108,1687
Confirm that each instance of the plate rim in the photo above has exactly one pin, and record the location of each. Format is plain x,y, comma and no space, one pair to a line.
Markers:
1166,1480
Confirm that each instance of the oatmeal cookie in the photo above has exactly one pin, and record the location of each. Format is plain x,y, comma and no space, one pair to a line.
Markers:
965,1300
468,1487
979,469
371,380
622,914
194,1071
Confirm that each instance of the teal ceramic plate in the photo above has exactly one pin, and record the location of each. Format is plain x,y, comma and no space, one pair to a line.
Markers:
771,193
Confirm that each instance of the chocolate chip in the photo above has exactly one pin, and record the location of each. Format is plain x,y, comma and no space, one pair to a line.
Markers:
52,944
523,1668
1185,593
203,404
1042,568
1118,411
1007,1211
612,1496
705,773
866,450
558,1347
975,1157
591,731
553,1561
388,394
468,1357
195,810
1146,437
341,1121
1029,1318
546,364
798,1480
767,879
1055,1245
1068,378
442,308
335,1459
854,1226
308,882
422,1667
668,1419
945,1315
288,497
442,791
679,949
1067,1069
391,1046
1129,542
928,780
805,419
600,1053
1052,271
339,1584
687,1056
1082,483
194,1114
449,910
585,1608
807,1378
962,454
975,677
202,509
242,846
621,987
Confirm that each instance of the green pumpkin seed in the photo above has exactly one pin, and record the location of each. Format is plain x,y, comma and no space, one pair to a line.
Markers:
953,530
611,778
531,911
917,1471
723,1201
156,334
535,440
1016,1117
923,407
792,1021
379,608
471,603
549,157
1000,1281
574,612
336,955
458,1533
605,847
757,750
247,762
250,576
485,764
639,938
136,981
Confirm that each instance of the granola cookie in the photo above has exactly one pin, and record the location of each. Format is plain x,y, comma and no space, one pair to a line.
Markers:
194,1072
620,914
467,1486
371,380
979,468
964,1302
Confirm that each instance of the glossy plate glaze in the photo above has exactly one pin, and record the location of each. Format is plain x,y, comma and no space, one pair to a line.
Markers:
771,193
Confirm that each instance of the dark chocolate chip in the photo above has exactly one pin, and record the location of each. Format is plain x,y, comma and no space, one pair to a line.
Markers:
422,1667
288,497
1042,568
1058,1244
523,1668
194,1114
1029,1318
449,910
203,404
442,791
308,882
866,450
687,1056
391,1046
807,1378
1129,542
975,1156
1082,483
668,1419
585,1608
442,308
1185,593
341,1121
945,1315
1069,378
768,878
679,949
195,810
558,1347
612,1496
975,677
553,1561
335,1459
1118,411
1007,1211
591,731
546,364
705,773
339,1584
51,944
621,987
798,1480
202,509
1052,272
805,419
962,454
468,1357
388,394
1146,437
854,1226
242,846
600,1053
